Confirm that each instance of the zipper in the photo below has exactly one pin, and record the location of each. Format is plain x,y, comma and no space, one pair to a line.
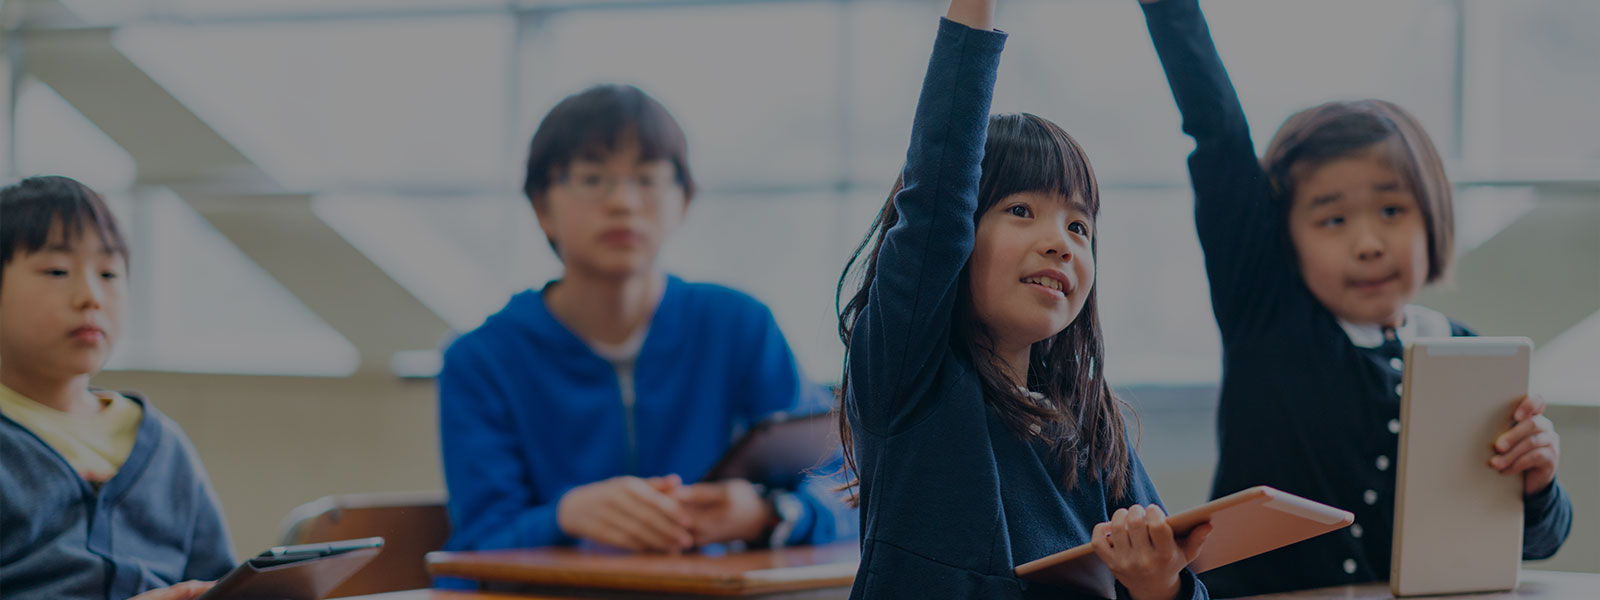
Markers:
630,428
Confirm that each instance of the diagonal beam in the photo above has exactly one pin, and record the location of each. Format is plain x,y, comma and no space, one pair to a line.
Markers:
334,279
171,146
168,143
1538,277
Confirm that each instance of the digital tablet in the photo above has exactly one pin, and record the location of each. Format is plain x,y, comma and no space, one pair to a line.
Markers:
778,446
1458,522
304,572
1244,524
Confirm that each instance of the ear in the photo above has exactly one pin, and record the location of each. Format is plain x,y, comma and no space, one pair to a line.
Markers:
679,211
546,217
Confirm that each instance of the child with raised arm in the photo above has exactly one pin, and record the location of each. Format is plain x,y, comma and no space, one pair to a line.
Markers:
975,410
1314,253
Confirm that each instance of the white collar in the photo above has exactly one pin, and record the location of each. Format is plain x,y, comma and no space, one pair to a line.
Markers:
1420,322
627,351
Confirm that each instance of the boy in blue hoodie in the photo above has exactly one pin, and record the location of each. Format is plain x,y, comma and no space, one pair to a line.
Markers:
586,410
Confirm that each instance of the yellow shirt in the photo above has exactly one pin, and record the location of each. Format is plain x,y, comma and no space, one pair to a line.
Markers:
95,445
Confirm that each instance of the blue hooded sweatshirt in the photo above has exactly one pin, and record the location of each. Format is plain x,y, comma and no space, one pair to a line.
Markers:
528,411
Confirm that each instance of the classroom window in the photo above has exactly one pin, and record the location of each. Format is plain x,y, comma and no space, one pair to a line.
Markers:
1548,80
408,103
408,122
758,101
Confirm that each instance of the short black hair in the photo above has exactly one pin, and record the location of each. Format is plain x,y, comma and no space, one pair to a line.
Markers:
589,123
31,209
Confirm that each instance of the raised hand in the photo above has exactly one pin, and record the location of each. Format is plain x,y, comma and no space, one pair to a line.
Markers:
977,14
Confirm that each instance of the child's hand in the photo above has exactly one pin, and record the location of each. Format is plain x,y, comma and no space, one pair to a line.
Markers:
1138,546
724,511
1531,447
187,590
627,512
977,14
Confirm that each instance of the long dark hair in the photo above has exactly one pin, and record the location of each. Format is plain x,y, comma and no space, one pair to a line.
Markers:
1080,418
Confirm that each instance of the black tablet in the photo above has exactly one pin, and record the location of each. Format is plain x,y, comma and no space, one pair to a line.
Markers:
779,446
304,572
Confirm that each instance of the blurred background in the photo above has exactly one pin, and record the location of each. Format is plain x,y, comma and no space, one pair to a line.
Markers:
319,193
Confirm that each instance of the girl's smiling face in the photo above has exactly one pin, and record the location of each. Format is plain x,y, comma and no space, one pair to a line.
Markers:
1032,267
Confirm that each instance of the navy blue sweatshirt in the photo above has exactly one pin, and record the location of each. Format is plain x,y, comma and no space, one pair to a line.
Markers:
1303,408
951,498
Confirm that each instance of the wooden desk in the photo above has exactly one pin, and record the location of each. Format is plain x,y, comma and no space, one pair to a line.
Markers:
1536,585
430,594
1540,585
822,571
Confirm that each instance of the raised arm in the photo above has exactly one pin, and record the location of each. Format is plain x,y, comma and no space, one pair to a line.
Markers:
1246,251
904,328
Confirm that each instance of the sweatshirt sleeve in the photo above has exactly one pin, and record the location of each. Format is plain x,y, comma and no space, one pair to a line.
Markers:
210,549
902,333
1547,519
775,384
1248,255
492,503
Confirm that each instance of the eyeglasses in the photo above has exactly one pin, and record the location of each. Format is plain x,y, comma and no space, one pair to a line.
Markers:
594,186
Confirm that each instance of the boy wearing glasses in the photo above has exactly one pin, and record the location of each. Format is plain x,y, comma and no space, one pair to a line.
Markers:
584,411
